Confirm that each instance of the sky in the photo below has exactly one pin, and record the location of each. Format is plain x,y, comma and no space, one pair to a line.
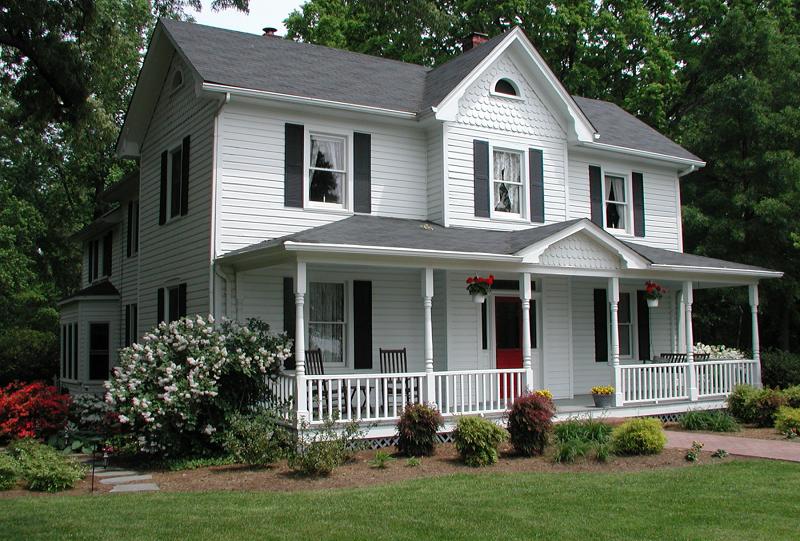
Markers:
262,13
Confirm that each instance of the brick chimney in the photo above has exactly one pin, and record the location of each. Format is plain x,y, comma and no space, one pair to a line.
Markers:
473,40
269,32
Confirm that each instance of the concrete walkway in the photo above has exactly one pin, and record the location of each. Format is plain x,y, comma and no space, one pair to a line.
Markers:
124,480
774,449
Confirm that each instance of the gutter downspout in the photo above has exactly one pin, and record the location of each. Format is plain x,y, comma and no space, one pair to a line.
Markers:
213,241
690,169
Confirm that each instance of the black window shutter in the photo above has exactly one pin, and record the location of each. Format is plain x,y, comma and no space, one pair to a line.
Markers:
91,261
596,194
289,315
162,201
643,325
127,341
160,316
182,300
480,166
638,204
108,253
362,172
129,243
136,227
293,165
600,326
185,177
362,324
536,164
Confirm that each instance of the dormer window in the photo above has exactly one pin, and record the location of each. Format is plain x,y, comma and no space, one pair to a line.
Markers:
506,87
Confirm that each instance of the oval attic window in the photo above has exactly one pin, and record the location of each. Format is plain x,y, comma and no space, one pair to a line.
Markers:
177,79
504,86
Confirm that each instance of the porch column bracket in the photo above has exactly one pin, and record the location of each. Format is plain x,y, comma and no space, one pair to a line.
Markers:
753,294
301,397
427,303
525,300
613,304
688,298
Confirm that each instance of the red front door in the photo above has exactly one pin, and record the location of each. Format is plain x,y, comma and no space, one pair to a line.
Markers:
508,339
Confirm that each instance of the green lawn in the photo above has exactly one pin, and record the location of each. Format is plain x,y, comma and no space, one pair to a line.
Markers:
735,500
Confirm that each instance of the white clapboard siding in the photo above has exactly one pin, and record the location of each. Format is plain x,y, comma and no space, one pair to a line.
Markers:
661,202
436,174
439,315
177,251
250,173
556,336
504,122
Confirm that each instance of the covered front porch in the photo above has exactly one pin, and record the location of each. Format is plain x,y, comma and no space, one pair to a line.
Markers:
565,314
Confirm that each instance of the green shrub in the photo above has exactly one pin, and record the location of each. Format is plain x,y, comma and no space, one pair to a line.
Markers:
787,421
416,430
381,460
318,452
477,440
712,421
792,395
639,437
413,462
567,451
766,405
588,430
741,403
43,468
8,472
529,423
255,439
780,368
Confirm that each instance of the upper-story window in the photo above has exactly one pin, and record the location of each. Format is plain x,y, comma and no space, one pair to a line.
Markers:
101,256
507,187
133,228
327,170
175,192
507,87
616,204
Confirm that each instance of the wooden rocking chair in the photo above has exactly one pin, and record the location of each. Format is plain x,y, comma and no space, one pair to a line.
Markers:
395,361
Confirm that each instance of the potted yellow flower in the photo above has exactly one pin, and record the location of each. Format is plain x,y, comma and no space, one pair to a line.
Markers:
603,396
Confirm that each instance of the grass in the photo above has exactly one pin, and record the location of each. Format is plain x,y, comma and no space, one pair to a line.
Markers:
728,501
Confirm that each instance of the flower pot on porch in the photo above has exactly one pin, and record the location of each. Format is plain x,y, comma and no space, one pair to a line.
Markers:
478,298
652,303
603,400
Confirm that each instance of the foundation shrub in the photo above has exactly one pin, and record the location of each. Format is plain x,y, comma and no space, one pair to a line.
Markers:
416,430
320,451
8,472
255,439
741,403
639,437
529,423
787,421
477,441
43,468
712,421
792,395
766,404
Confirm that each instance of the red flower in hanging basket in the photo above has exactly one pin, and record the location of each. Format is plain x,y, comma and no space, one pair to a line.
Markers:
478,285
653,290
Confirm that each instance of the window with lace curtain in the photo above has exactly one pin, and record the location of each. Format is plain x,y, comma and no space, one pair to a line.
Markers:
616,202
327,171
327,325
507,182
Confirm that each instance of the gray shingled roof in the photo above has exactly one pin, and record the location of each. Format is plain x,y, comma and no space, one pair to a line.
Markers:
283,66
100,289
364,230
620,128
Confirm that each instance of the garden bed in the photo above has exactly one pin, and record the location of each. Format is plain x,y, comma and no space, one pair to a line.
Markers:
359,472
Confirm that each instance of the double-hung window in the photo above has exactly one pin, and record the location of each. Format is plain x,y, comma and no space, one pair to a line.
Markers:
625,325
327,326
327,170
616,202
176,173
507,187
99,350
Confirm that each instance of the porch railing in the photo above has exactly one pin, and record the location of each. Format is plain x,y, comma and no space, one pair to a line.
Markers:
369,397
717,378
644,383
478,391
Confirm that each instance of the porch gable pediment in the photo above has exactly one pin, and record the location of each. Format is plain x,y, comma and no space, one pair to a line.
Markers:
585,246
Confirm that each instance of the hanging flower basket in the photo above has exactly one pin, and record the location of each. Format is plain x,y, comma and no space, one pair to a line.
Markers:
479,287
653,292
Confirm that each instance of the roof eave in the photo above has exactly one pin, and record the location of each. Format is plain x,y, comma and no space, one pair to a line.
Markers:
721,271
678,160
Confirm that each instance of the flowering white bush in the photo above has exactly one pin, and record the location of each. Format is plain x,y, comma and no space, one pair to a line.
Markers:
174,389
718,352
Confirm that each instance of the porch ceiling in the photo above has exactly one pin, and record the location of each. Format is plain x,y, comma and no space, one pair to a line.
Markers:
404,238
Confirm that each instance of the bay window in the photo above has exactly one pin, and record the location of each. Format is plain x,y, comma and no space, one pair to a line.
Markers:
507,187
327,325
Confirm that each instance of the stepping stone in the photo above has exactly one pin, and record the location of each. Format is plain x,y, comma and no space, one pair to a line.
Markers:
113,473
126,479
136,487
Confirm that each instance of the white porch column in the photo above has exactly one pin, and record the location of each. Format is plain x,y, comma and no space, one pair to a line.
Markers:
427,302
753,291
688,298
525,298
613,302
301,397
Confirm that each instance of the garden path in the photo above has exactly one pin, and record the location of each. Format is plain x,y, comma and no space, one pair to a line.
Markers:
773,449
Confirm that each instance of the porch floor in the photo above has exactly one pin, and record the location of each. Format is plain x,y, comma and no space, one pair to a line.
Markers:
583,404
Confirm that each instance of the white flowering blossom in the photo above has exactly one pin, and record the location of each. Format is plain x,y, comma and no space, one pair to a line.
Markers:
169,387
718,351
